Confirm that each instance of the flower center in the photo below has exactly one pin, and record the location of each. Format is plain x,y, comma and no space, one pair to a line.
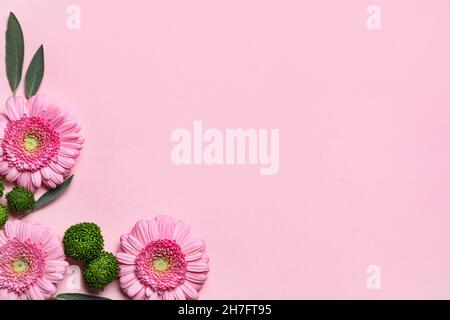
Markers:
20,266
30,143
161,265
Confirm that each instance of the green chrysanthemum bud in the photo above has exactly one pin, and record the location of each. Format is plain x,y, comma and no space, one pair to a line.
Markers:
2,187
3,215
83,241
102,270
20,200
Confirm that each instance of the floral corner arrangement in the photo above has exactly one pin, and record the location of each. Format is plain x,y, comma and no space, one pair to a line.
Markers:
39,143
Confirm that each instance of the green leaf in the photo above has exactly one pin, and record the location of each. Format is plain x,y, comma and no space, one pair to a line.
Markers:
78,296
14,52
35,73
52,194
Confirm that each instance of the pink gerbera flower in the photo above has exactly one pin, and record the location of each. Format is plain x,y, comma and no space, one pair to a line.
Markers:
39,142
31,262
160,260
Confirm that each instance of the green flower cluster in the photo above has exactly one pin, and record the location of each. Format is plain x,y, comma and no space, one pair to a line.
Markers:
3,215
20,200
2,188
102,270
84,242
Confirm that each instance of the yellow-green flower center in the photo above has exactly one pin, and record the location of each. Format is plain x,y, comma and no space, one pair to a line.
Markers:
161,264
20,266
30,143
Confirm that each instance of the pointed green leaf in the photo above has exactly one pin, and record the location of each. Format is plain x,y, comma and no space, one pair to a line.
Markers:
35,73
52,194
78,296
14,52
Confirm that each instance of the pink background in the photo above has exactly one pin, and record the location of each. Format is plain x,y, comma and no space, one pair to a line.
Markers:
364,123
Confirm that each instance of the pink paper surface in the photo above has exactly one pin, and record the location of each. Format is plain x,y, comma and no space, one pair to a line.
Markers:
364,120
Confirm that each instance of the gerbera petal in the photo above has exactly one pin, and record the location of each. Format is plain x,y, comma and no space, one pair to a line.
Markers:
135,242
153,230
39,105
194,256
167,295
181,232
12,175
148,291
70,137
56,167
4,120
178,294
140,295
142,232
52,247
3,238
125,258
14,296
53,250
124,270
46,286
24,180
4,294
193,246
197,266
189,290
127,280
134,288
153,296
4,168
55,121
197,277
50,184
45,171
24,231
166,226
37,234
69,126
55,276
59,266
10,228
44,235
15,108
56,177
51,112
67,163
72,145
127,246
34,293
36,179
